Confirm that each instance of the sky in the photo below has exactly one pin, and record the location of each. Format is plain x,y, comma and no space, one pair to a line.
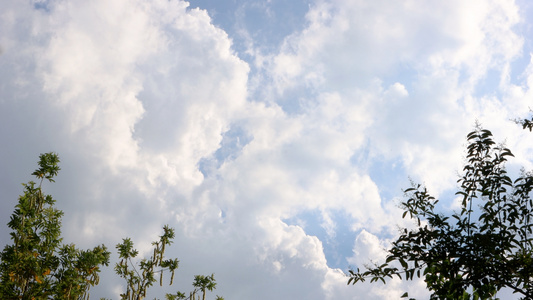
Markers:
274,136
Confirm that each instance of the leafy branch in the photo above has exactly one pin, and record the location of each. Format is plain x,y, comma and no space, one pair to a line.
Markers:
37,265
484,247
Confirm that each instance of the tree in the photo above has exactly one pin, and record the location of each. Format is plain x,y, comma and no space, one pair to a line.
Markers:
138,282
475,252
37,265
140,278
203,283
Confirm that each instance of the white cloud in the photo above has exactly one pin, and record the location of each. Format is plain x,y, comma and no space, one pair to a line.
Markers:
135,96
368,248
444,50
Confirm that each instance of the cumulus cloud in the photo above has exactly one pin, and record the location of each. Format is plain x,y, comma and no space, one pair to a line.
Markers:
443,51
132,96
157,121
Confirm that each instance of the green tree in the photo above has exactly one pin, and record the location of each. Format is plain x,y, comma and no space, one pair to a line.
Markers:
475,252
201,284
37,265
139,277
138,281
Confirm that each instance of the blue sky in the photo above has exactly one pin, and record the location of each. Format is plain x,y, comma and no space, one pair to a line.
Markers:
275,136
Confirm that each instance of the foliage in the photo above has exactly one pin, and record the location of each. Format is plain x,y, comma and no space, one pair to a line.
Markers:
201,284
526,123
140,278
484,247
138,281
37,265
